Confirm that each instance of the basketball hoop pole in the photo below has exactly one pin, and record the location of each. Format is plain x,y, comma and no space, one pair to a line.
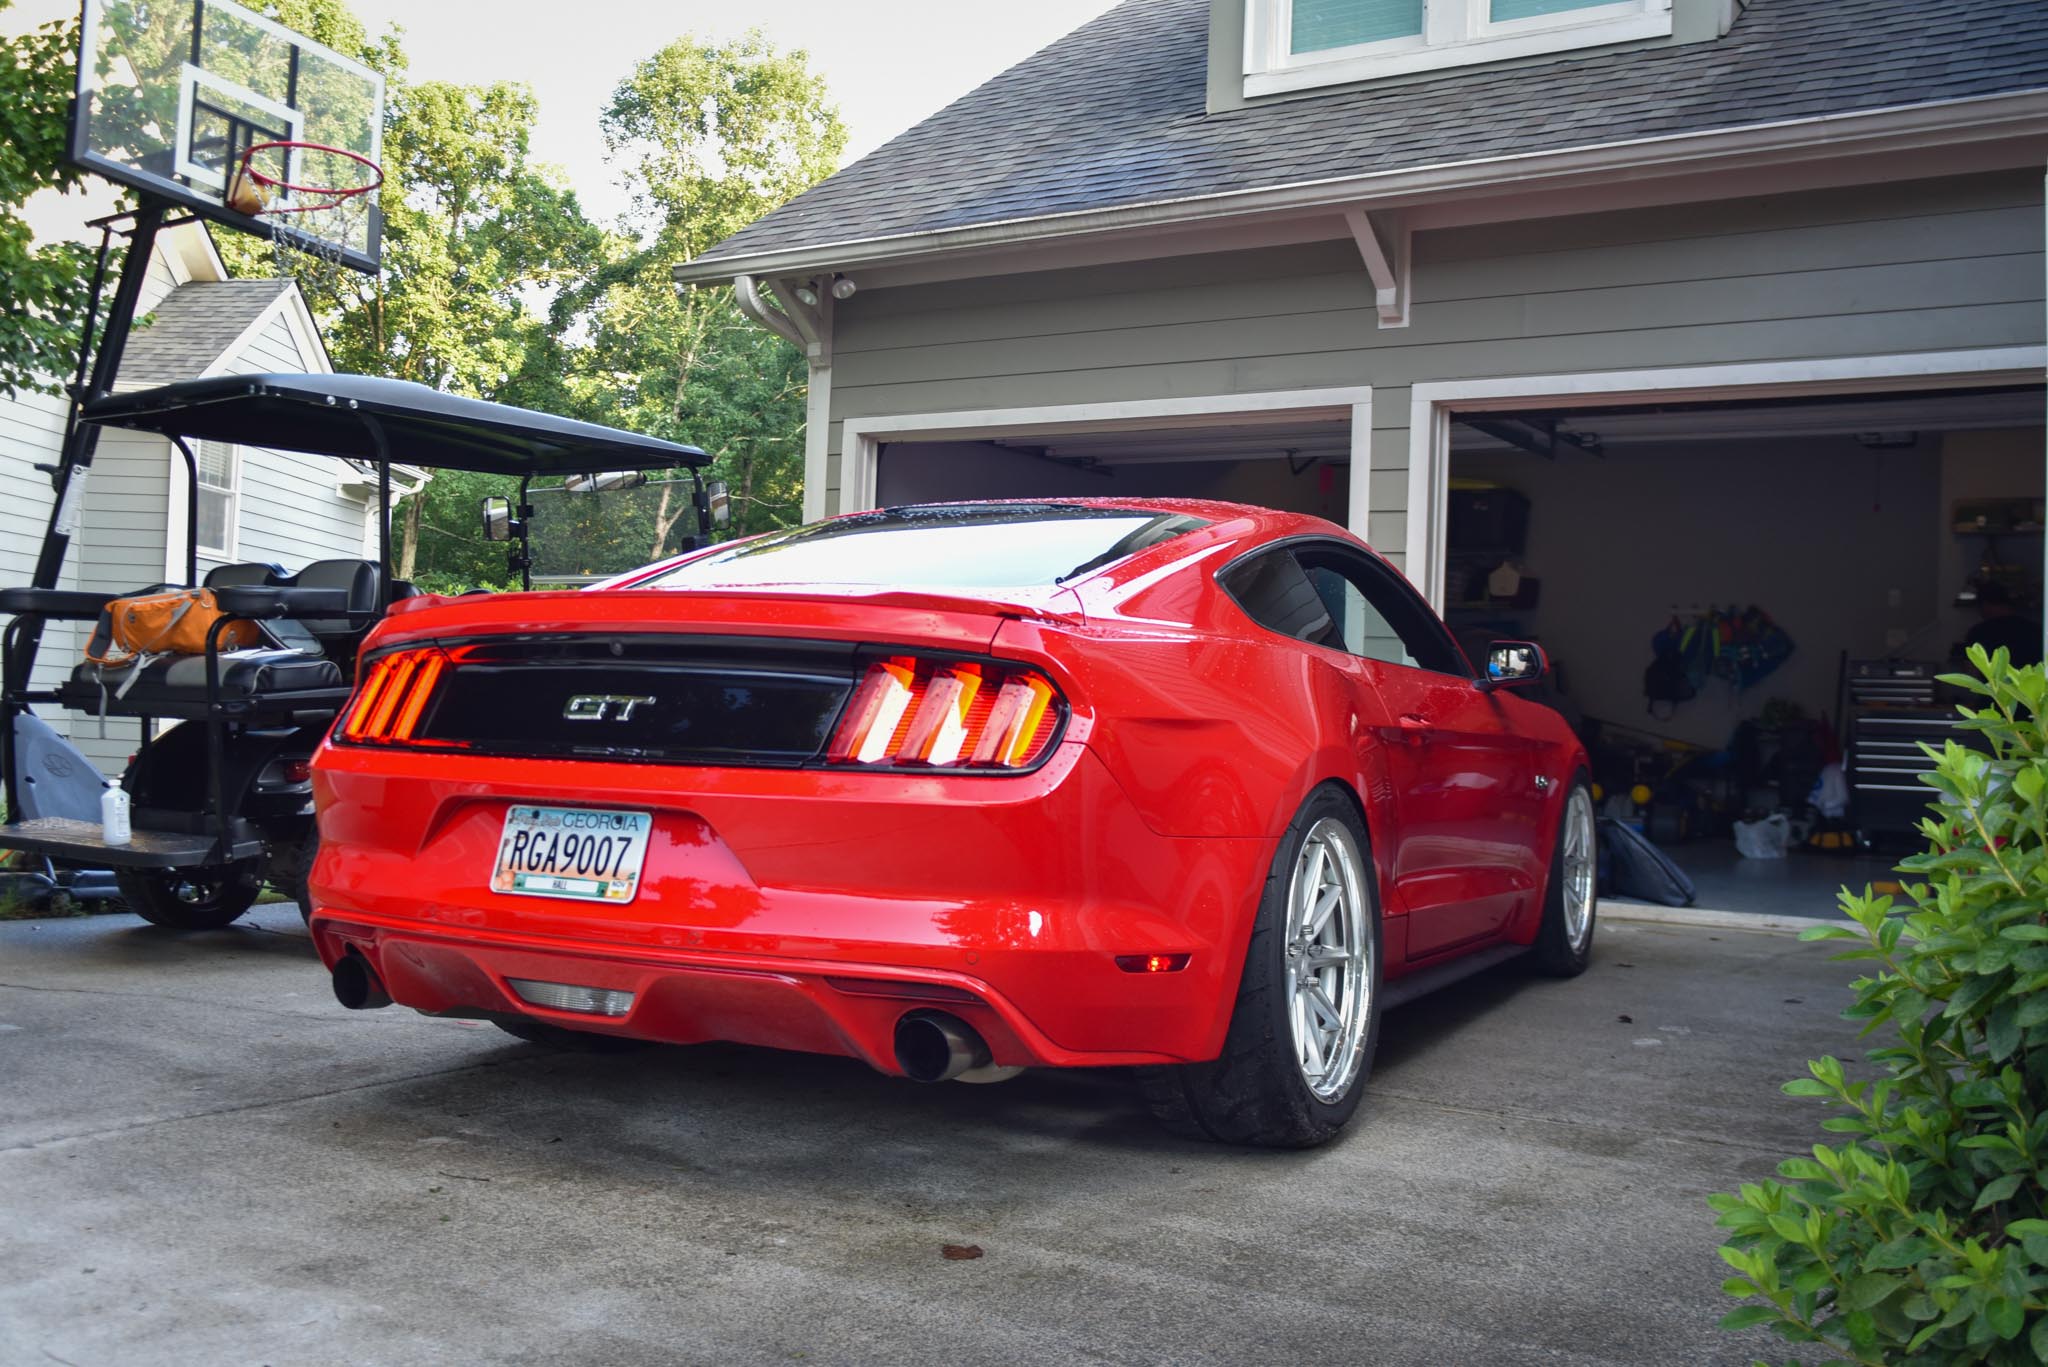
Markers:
82,439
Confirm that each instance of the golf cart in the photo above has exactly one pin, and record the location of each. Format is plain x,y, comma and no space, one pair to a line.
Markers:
222,802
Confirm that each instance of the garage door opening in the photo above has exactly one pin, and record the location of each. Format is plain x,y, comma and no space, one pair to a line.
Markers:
1290,449
1296,466
1816,561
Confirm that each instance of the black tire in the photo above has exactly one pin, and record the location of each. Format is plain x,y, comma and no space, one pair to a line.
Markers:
195,899
1254,1092
293,867
1555,954
566,1040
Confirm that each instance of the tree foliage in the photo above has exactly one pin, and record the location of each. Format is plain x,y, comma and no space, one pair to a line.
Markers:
45,285
709,137
1922,1238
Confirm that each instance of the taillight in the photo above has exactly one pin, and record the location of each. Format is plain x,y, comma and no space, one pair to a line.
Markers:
388,703
909,712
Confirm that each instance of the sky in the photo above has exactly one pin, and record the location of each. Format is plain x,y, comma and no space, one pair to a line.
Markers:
888,63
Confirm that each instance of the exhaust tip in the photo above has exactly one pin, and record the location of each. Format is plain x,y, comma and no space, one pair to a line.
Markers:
932,1046
356,985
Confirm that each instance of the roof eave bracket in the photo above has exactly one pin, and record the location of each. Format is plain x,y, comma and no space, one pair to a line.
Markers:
788,317
1383,240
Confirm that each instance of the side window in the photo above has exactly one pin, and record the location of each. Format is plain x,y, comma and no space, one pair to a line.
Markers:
1380,617
1274,592
1363,629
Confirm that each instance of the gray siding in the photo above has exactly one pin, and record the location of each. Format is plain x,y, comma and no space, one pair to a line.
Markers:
1927,266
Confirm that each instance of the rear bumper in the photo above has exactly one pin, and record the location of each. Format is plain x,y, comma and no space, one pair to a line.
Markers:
801,909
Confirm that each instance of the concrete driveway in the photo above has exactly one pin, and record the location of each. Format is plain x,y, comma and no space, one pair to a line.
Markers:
204,1160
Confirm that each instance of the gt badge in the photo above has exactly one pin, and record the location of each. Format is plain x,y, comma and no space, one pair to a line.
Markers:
603,706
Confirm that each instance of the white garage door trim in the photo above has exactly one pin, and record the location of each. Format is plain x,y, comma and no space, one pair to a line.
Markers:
861,439
1432,404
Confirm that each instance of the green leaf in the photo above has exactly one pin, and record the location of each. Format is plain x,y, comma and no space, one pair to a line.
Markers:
2031,931
1998,1190
1870,1288
2002,1030
2006,1317
1905,1251
1749,1316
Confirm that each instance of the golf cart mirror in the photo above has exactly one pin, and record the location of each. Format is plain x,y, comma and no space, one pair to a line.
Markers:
497,513
1514,662
605,481
721,502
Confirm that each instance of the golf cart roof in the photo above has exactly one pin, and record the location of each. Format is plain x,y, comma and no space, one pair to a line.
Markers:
342,415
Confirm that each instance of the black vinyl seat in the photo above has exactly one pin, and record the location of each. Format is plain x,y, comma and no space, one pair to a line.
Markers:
305,667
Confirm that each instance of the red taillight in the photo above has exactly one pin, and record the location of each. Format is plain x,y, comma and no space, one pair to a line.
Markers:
388,703
1152,963
946,714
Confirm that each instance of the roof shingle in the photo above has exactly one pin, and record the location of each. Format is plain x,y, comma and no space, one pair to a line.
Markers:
193,325
1112,115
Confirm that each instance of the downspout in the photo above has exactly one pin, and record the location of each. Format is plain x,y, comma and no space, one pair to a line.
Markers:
809,329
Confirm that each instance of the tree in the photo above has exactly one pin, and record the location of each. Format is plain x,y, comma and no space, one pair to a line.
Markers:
709,137
46,285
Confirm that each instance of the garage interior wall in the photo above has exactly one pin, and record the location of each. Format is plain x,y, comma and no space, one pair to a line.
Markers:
1848,548
927,472
1874,270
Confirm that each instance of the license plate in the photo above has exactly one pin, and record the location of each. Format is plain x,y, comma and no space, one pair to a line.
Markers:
574,852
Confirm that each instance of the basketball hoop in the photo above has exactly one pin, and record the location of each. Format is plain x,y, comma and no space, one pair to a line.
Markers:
316,200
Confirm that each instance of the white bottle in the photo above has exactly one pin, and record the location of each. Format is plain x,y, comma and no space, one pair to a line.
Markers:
114,827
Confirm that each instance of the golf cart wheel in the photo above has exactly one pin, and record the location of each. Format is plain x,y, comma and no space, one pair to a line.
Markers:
294,869
190,899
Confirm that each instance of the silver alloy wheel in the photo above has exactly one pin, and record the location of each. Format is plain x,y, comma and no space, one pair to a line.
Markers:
1329,959
1578,872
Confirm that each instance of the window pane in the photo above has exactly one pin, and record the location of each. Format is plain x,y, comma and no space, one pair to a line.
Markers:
214,506
216,465
1506,10
1366,632
1014,545
1321,24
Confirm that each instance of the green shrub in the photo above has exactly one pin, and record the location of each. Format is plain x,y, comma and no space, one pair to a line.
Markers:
1920,1238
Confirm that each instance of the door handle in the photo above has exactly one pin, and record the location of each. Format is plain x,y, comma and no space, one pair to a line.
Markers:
1413,727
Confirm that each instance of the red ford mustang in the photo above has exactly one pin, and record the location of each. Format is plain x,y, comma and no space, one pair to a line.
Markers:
957,790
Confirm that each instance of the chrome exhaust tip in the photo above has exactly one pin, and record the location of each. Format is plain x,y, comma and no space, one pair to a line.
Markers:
356,985
932,1046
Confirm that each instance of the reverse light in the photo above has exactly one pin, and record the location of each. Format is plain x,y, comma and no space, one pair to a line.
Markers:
590,1001
913,712
388,704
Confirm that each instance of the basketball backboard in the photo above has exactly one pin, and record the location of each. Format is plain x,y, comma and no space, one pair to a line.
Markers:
172,97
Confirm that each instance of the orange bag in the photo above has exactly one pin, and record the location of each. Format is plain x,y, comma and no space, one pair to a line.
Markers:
133,630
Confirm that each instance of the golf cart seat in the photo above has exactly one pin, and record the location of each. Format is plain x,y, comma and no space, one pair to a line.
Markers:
264,678
304,670
335,637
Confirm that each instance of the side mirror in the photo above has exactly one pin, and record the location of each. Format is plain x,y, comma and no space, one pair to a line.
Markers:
721,502
604,481
1509,663
497,516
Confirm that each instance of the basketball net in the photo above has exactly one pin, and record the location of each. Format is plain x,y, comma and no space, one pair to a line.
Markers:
316,200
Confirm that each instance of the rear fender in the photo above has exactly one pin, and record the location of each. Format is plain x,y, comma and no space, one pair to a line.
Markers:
1208,735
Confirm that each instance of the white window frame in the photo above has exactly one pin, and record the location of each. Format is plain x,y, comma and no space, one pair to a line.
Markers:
233,519
863,438
1454,33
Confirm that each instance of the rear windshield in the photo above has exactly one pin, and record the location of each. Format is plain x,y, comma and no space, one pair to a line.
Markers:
972,546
